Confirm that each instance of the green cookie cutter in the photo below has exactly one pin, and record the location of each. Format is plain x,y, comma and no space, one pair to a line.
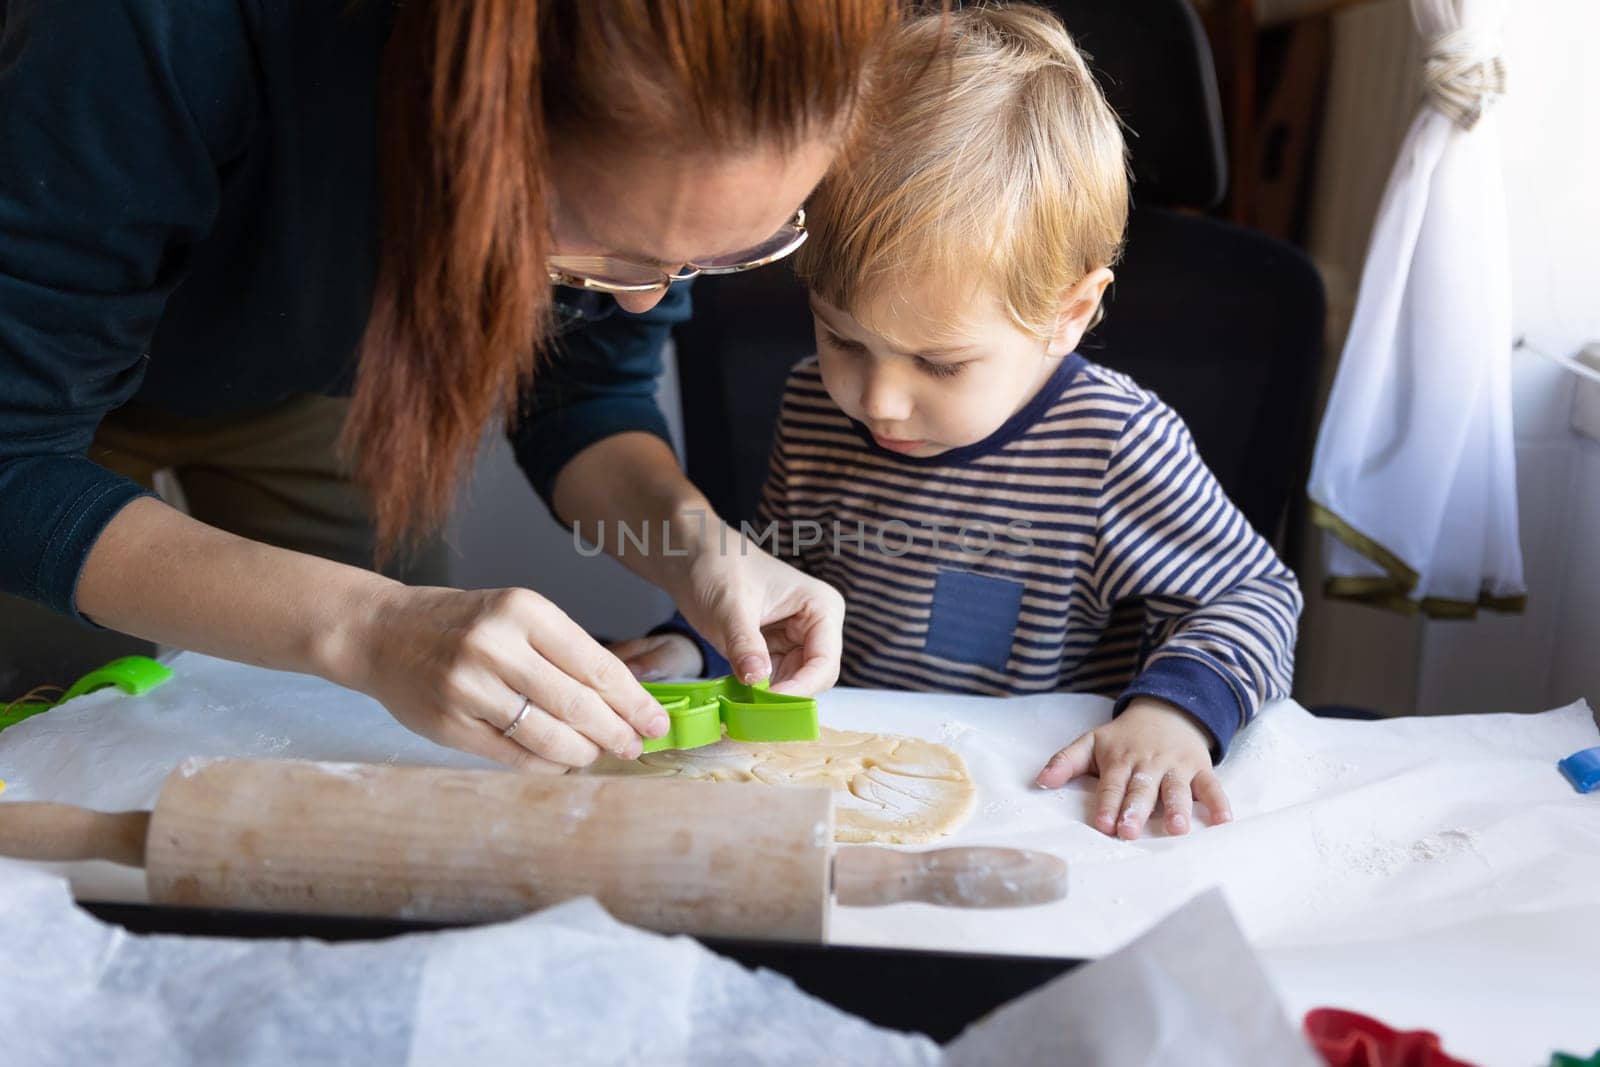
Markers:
699,710
1567,1059
134,675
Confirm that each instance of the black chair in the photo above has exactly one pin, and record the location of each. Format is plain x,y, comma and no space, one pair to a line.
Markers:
1222,322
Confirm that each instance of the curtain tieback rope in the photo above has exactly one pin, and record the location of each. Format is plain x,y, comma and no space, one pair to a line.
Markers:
1462,73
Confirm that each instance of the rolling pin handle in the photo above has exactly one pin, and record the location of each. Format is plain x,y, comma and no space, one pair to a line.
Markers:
61,832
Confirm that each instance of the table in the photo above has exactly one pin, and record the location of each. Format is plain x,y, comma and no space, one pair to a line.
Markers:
1434,872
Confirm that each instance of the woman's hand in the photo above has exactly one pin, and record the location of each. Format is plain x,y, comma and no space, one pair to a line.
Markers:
1152,751
766,617
658,656
455,666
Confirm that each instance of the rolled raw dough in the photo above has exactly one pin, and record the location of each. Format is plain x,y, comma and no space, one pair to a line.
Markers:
901,790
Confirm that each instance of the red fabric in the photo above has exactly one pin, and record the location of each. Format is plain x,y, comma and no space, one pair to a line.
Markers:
1348,1039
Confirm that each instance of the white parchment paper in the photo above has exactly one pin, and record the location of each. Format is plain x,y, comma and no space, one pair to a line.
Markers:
572,986
1344,831
569,985
1189,991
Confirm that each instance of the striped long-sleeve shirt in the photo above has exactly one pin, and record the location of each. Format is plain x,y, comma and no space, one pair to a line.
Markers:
1082,546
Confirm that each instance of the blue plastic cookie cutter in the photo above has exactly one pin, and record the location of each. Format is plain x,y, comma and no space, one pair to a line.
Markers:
1582,769
699,710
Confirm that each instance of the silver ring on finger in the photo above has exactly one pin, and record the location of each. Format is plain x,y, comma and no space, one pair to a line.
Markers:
527,705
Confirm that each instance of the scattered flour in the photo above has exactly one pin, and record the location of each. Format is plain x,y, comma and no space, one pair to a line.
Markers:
1001,807
1265,743
954,729
1377,859
572,819
1444,844
267,743
351,772
1096,847
193,765
1383,859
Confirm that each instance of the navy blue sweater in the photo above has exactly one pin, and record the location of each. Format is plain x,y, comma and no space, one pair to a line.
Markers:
188,220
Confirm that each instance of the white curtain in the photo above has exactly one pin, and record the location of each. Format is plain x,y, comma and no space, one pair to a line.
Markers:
1414,476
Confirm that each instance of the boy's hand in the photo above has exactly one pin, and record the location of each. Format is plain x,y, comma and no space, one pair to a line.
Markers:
668,655
1152,751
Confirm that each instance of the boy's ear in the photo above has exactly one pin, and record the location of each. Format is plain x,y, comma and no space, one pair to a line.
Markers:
1077,309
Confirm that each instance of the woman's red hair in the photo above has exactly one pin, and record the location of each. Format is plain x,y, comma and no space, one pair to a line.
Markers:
473,93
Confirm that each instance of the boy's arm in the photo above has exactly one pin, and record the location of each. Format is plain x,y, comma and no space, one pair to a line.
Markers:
1220,605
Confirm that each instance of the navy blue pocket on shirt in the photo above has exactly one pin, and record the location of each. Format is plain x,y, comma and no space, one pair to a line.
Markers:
974,618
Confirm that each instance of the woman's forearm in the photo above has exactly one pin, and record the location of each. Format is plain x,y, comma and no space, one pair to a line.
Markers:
155,573
633,479
502,673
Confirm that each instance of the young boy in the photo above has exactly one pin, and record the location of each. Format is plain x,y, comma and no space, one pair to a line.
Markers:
1001,515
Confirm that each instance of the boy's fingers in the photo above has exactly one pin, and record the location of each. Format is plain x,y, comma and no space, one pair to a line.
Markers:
1208,791
655,664
1138,804
1178,802
644,656
633,646
1113,783
1067,764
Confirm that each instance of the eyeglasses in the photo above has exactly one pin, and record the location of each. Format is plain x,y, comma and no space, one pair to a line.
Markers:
609,274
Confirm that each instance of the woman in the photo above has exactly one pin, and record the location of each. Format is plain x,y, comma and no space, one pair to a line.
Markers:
208,211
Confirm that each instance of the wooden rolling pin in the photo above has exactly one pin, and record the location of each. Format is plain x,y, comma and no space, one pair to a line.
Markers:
718,859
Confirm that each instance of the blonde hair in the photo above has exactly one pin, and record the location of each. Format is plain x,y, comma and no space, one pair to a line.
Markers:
996,163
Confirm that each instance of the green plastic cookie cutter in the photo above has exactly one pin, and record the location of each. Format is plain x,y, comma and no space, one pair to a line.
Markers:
134,675
699,710
1567,1059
